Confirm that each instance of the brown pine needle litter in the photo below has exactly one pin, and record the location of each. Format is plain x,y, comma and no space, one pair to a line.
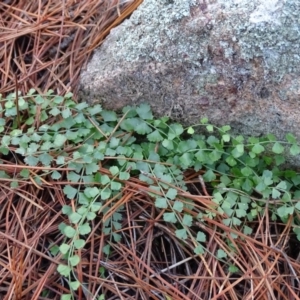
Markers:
44,44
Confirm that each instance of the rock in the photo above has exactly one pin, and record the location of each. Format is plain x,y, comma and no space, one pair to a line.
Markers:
235,61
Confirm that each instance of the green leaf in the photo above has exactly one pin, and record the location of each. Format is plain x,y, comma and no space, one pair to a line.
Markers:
74,285
60,160
81,106
144,112
106,249
94,110
279,160
155,136
142,127
170,217
57,99
115,186
209,176
257,149
168,144
69,191
161,202
74,217
105,193
268,181
59,140
281,185
186,159
108,116
25,173
225,128
62,227
138,155
91,168
104,179
231,161
201,237
275,193
277,148
213,141
64,248
240,148
84,229
14,184
69,95
181,234
267,174
247,230
221,254
178,206
96,206
291,138
227,222
209,128
45,159
199,250
30,121
54,250
154,156
54,111
246,171
296,180
171,194
91,192
74,260
240,213
233,269
190,130
63,270
114,142
67,210
82,210
295,149
247,185
117,216
32,149
9,104
226,137
31,160
73,177
271,137
297,206
284,211
238,151
175,130
79,244
15,141
16,132
204,120
69,232
66,296
215,155
187,220
91,216
114,170
124,175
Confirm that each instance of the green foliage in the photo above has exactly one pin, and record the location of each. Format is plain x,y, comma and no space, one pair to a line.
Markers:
242,174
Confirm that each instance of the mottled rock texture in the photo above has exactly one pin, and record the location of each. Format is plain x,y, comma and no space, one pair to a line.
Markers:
235,61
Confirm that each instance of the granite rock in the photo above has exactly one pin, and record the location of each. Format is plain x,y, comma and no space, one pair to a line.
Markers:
235,61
